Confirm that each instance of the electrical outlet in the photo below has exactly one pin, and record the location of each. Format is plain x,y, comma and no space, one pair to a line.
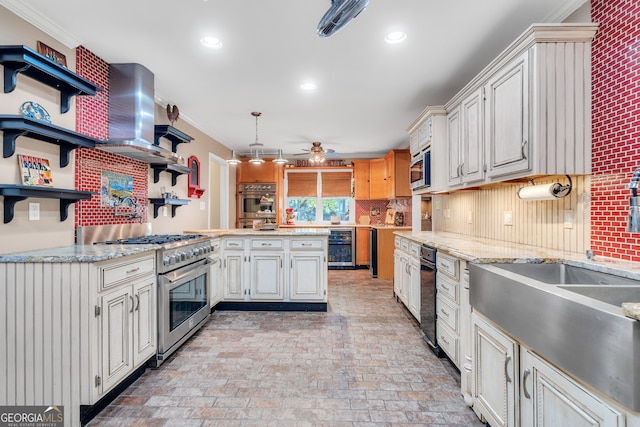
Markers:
34,211
447,213
568,219
508,218
164,211
203,206
469,217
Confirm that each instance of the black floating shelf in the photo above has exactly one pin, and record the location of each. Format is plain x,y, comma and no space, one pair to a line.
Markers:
21,59
14,126
15,193
174,169
172,134
175,203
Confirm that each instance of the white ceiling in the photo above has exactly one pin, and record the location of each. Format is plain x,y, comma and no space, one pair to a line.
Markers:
368,92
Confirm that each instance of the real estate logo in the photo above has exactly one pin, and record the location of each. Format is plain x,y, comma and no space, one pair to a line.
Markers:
32,416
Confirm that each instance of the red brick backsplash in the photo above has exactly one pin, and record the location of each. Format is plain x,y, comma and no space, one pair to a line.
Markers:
616,125
363,207
92,119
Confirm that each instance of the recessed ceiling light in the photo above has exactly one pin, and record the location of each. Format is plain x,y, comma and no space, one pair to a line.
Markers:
211,42
309,86
395,37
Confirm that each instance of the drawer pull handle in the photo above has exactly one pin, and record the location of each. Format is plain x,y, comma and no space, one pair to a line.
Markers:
137,302
446,288
133,270
132,305
266,244
234,244
506,372
525,375
305,244
442,338
445,312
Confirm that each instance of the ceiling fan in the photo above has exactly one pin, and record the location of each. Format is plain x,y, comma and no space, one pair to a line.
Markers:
317,153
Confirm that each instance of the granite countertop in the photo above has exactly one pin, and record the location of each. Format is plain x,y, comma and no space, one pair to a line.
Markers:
78,253
345,225
487,251
289,232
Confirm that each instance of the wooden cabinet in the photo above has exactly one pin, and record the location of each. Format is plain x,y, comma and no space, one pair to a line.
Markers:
513,386
378,179
266,172
361,179
517,119
363,246
397,165
128,329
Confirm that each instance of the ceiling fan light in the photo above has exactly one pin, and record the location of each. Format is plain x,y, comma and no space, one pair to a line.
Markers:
234,160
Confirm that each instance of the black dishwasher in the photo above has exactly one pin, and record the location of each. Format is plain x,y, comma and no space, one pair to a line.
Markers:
428,298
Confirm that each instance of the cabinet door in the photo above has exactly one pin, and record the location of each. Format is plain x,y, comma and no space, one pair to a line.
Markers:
116,328
144,320
363,246
361,179
378,179
507,119
215,289
307,276
549,398
233,275
400,185
398,268
472,166
266,276
414,287
453,146
406,280
495,374
265,173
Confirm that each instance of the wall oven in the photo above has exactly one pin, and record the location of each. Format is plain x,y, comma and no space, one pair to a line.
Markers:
256,201
428,298
420,171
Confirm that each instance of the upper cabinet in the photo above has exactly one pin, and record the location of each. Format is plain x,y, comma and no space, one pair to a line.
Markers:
266,172
361,170
397,167
527,113
428,132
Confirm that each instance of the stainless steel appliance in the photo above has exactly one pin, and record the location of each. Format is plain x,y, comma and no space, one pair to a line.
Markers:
420,171
373,252
256,201
342,248
428,292
183,270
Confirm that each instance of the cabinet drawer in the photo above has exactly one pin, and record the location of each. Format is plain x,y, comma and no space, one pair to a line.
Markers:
233,244
447,287
116,274
404,245
396,242
448,265
447,313
306,244
449,343
267,244
414,249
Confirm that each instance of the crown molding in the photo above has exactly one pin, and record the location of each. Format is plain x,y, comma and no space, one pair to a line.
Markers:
37,19
564,10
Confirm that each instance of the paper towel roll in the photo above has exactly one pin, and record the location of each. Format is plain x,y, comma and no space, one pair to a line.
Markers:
542,192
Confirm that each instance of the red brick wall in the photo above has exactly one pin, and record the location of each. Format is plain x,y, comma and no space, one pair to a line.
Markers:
92,119
616,125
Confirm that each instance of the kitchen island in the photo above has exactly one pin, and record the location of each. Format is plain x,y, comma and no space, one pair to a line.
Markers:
282,269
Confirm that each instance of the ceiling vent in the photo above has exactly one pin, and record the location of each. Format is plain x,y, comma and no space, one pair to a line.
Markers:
340,14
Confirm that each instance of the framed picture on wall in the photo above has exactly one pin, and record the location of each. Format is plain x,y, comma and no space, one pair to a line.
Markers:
35,171
52,54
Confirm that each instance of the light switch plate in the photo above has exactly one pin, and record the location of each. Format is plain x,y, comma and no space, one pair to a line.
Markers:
469,217
203,206
34,211
508,218
568,219
164,211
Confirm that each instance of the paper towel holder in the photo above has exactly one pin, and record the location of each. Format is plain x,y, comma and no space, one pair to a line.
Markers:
556,191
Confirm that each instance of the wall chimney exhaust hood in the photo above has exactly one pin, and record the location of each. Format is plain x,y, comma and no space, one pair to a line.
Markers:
131,116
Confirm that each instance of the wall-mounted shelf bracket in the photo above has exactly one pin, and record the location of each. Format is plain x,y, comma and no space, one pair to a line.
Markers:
174,169
14,193
172,134
159,202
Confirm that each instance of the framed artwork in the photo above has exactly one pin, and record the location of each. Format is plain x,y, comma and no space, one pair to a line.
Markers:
35,171
52,54
115,188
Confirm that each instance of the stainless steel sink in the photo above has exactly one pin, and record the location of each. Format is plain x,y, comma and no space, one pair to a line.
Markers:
569,315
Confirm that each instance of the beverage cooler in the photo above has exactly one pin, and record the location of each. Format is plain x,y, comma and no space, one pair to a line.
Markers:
342,248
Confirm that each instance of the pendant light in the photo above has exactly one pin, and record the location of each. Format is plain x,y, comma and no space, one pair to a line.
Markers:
280,159
256,152
234,160
256,159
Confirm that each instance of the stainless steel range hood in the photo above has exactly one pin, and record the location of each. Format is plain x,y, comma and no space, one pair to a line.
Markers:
131,116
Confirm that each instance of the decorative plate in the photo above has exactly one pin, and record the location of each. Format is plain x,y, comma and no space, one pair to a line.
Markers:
33,110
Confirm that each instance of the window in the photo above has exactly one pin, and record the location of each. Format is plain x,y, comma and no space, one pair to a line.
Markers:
317,196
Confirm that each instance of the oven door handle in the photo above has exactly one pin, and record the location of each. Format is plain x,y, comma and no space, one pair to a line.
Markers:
192,271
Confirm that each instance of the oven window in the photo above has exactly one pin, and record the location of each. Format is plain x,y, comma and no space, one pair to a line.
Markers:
187,299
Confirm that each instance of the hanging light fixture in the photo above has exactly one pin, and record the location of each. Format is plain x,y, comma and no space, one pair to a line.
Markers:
317,153
256,152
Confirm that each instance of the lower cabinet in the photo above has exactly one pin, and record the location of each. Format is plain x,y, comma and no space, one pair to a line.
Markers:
512,386
307,276
128,327
406,275
266,276
233,275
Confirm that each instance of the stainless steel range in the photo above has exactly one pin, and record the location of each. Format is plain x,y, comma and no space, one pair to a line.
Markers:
183,268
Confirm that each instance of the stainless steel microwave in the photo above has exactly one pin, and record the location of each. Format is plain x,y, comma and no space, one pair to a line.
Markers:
420,171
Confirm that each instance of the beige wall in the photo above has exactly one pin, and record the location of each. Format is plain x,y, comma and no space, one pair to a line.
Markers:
480,213
22,234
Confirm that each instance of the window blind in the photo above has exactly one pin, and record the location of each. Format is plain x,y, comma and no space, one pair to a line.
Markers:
336,184
302,184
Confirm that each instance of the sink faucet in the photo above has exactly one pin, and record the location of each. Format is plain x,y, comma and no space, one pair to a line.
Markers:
132,204
633,223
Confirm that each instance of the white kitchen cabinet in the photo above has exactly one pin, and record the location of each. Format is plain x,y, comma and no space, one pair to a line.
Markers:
448,307
406,274
128,329
549,398
398,268
507,118
495,374
307,280
527,113
266,276
215,284
233,275
414,287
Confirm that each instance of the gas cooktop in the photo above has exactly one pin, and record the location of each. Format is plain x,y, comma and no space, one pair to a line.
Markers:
154,239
